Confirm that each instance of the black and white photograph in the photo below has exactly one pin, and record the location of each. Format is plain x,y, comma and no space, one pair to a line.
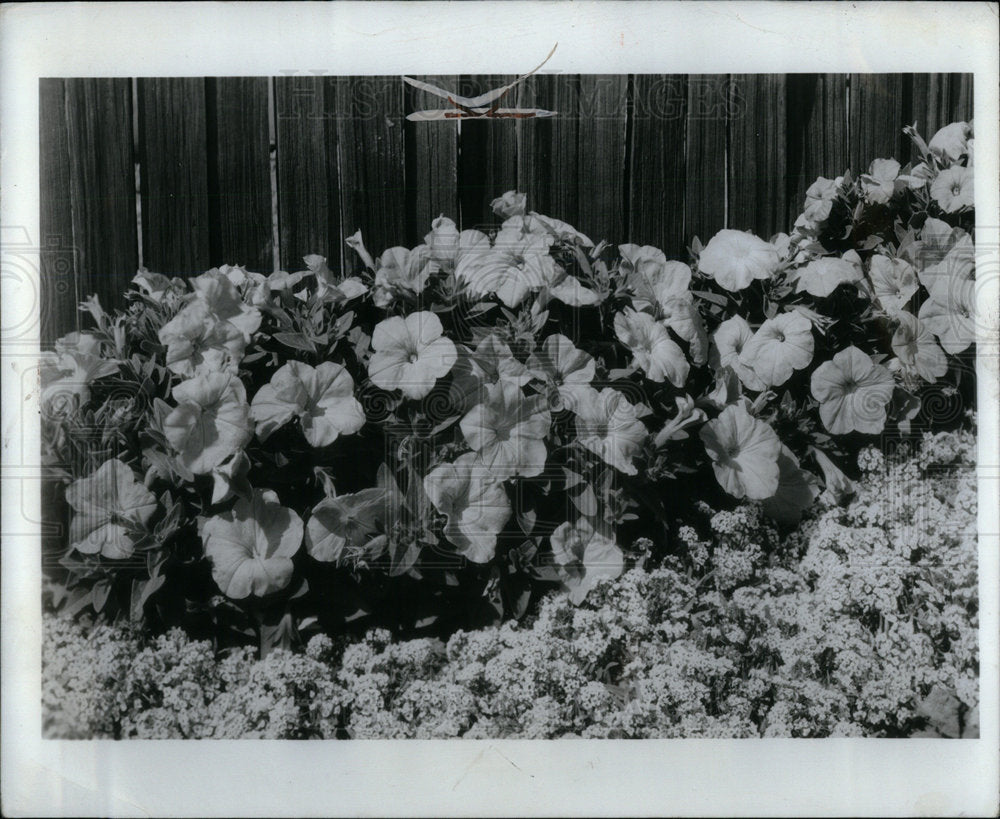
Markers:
552,401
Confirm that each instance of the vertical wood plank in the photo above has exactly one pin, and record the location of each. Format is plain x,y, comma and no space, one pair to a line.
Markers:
372,160
705,191
877,107
58,285
102,186
308,182
962,107
547,148
817,134
487,155
431,161
756,155
174,165
601,171
239,172
657,171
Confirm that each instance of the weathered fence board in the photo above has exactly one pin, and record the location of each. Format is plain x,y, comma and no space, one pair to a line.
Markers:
308,178
59,282
657,170
488,159
705,188
239,172
432,162
648,158
877,103
757,153
817,134
372,165
173,149
102,185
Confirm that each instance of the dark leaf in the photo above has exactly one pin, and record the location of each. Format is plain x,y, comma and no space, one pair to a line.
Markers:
296,340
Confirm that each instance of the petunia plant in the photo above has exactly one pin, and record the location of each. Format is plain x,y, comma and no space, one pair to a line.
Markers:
433,436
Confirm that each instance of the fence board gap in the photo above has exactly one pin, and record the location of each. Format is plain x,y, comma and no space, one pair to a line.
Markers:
102,186
307,177
657,170
174,156
372,160
58,281
705,189
431,161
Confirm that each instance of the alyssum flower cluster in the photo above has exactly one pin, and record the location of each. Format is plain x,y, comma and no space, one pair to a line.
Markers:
430,441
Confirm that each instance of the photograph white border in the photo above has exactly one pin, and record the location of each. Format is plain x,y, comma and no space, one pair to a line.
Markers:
489,778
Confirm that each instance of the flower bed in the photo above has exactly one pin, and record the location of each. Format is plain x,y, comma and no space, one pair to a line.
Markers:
434,441
743,634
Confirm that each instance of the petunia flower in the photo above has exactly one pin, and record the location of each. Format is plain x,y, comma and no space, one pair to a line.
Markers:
347,524
730,339
494,362
411,354
328,286
322,398
225,303
197,342
473,501
894,282
609,426
251,546
447,245
853,392
67,373
680,314
507,431
953,189
951,141
510,204
517,264
821,277
914,345
950,313
584,557
955,266
782,345
400,270
820,196
547,227
562,365
655,352
734,258
357,243
230,478
210,423
797,489
744,451
159,288
882,181
570,290
937,239
650,277
111,509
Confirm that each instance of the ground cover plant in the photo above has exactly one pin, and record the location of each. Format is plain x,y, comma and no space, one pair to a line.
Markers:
434,440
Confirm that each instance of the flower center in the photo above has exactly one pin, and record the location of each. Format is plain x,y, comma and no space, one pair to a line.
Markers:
779,336
412,358
956,190
732,451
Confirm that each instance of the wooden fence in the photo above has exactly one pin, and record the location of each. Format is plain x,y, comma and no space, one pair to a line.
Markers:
181,174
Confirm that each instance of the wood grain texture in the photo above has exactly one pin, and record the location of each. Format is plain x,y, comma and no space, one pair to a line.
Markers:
705,188
877,116
817,134
657,170
372,160
431,161
488,155
174,159
58,280
102,186
601,172
239,172
308,181
757,154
